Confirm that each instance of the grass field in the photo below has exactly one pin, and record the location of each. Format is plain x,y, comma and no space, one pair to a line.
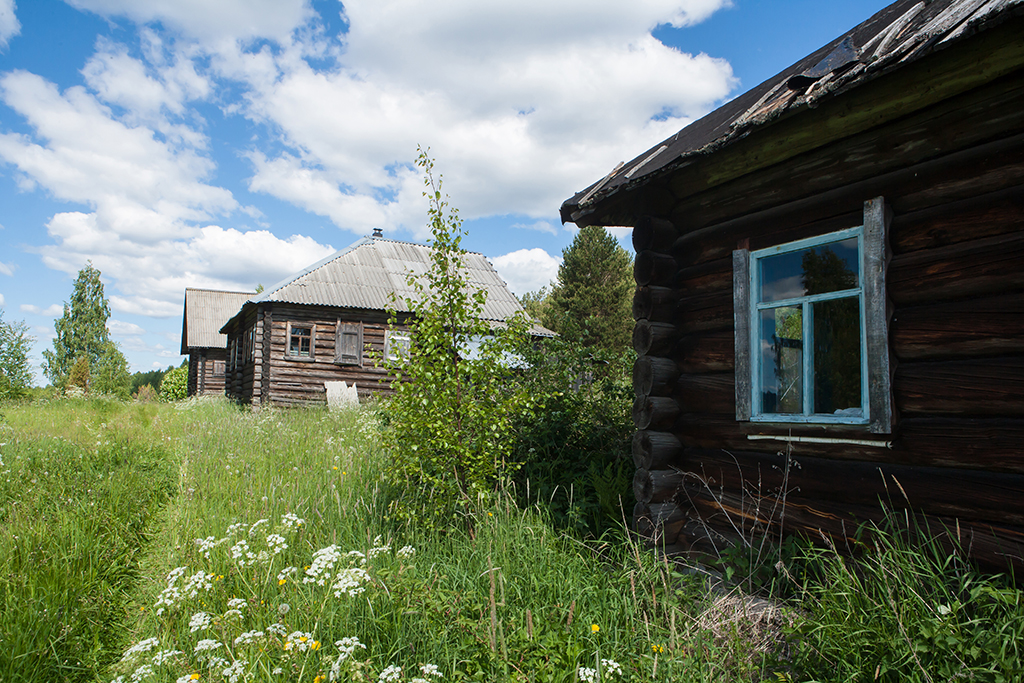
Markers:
206,542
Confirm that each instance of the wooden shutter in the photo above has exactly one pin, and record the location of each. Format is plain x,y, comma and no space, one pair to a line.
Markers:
348,345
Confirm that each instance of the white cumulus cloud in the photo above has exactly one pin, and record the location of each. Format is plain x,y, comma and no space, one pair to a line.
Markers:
120,328
9,25
50,311
527,270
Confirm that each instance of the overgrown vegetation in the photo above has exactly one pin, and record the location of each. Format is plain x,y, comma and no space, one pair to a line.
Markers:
15,343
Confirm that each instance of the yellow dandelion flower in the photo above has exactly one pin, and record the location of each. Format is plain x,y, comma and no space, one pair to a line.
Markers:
194,677
658,649
303,639
281,582
319,679
490,514
594,628
315,645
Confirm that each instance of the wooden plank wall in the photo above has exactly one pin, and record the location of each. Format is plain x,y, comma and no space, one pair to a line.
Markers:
300,382
956,285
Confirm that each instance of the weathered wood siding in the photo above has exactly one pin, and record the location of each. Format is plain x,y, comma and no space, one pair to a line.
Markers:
271,376
206,369
953,176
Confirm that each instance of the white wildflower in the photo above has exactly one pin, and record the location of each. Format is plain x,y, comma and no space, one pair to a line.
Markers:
232,613
611,667
217,663
276,543
390,674
430,670
277,671
139,647
283,608
323,562
187,678
587,675
235,528
406,552
357,555
378,550
346,647
200,621
237,603
299,641
290,521
277,630
241,554
141,674
248,638
286,573
256,526
207,645
236,671
209,543
200,581
162,656
350,581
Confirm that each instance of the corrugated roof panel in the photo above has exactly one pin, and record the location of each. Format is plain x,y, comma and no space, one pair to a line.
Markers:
206,311
365,275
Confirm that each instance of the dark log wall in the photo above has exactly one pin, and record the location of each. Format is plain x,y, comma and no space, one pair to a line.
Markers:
953,175
206,372
281,380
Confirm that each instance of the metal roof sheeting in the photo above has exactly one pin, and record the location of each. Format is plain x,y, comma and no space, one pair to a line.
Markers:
367,273
206,311
900,34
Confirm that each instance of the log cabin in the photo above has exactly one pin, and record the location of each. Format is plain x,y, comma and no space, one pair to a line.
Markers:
206,311
830,292
329,323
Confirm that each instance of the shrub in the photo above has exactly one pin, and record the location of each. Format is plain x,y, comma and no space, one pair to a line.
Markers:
174,385
451,419
79,375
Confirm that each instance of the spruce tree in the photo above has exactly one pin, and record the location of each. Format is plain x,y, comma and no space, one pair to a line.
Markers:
591,300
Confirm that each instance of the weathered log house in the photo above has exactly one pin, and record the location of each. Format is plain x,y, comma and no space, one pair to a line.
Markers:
329,322
830,291
206,311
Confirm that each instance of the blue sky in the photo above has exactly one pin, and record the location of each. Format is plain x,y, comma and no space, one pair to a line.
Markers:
225,143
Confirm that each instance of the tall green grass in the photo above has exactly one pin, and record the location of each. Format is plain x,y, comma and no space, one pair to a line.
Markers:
502,596
79,486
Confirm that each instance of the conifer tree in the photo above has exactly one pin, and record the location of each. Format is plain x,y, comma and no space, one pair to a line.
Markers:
591,300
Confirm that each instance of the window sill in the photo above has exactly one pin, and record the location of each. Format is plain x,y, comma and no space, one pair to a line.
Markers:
301,359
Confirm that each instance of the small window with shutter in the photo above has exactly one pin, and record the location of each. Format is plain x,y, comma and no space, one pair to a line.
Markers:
348,348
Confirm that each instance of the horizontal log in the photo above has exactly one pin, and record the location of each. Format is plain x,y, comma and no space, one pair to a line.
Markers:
705,352
655,450
653,338
989,266
992,444
653,376
714,276
989,387
973,495
706,393
660,522
986,215
656,486
996,547
657,304
654,412
656,234
705,312
653,268
972,327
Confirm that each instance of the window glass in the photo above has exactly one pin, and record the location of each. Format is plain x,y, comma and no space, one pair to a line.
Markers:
817,270
782,360
299,343
837,357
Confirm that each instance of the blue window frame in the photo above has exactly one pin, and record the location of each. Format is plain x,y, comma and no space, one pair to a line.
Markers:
811,326
807,330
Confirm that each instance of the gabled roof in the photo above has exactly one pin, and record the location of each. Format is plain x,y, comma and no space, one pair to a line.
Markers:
366,274
206,311
898,35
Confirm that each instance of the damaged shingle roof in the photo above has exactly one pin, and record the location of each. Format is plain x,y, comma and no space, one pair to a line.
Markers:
897,35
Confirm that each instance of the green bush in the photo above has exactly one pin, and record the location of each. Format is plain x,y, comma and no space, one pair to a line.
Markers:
174,385
575,445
